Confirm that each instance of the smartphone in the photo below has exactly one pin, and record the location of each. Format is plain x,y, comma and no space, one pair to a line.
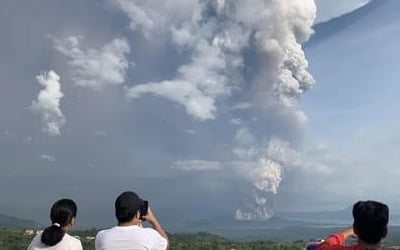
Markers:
144,207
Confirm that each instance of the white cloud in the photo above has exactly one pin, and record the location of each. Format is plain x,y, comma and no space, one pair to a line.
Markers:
236,121
247,52
48,103
182,92
317,160
100,133
28,140
96,68
199,82
241,106
9,133
196,165
50,158
246,149
216,42
196,87
154,16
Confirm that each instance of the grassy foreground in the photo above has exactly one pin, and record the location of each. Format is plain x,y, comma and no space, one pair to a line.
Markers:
13,239
18,240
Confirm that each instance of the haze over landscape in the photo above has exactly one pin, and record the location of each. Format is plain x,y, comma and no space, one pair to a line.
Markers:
92,104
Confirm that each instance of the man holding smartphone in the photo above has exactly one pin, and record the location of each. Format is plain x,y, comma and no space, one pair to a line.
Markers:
369,228
130,211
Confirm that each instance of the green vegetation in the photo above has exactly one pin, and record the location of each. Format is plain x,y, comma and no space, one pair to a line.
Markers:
206,241
13,239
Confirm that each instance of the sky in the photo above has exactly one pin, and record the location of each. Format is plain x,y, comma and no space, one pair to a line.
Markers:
204,110
328,9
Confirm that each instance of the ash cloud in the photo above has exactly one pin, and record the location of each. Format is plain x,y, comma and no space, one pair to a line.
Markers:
48,103
96,68
245,56
240,72
196,165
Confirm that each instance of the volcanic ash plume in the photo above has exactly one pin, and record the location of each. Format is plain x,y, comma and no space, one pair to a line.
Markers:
241,53
264,169
48,103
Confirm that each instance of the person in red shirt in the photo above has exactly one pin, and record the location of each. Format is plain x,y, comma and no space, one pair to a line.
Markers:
369,227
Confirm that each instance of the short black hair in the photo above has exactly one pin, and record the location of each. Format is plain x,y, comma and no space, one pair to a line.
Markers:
127,205
370,221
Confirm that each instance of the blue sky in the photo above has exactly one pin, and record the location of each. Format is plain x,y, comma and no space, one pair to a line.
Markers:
328,9
120,112
354,108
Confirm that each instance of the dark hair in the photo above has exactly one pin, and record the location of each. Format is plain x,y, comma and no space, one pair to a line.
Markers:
62,213
370,221
127,205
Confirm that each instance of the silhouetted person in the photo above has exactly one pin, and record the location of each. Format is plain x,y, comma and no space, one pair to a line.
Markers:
370,227
62,215
129,234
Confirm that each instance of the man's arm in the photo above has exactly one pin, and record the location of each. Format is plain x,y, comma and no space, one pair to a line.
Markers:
151,218
337,239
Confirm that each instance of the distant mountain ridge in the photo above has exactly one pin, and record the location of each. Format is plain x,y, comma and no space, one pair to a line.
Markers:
336,217
282,226
325,30
17,223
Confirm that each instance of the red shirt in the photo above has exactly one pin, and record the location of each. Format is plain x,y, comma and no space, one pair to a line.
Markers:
336,242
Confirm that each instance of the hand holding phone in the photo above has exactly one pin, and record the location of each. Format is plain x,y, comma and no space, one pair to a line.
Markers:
150,217
143,209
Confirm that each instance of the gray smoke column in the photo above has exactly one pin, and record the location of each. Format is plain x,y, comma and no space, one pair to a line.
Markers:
264,168
244,54
48,103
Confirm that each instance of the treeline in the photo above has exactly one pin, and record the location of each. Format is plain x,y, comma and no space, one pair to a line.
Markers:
17,240
206,241
13,239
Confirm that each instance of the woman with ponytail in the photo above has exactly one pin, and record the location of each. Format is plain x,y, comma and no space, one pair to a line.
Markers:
62,215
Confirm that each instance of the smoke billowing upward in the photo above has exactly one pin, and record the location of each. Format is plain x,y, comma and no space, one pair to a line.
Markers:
243,62
48,103
246,54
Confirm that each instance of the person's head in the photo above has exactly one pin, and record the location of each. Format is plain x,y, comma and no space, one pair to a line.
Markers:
127,207
370,221
62,216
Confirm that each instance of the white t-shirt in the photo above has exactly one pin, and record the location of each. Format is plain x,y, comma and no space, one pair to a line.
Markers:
130,238
68,242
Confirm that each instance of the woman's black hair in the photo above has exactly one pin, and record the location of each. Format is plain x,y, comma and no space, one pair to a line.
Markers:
61,215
